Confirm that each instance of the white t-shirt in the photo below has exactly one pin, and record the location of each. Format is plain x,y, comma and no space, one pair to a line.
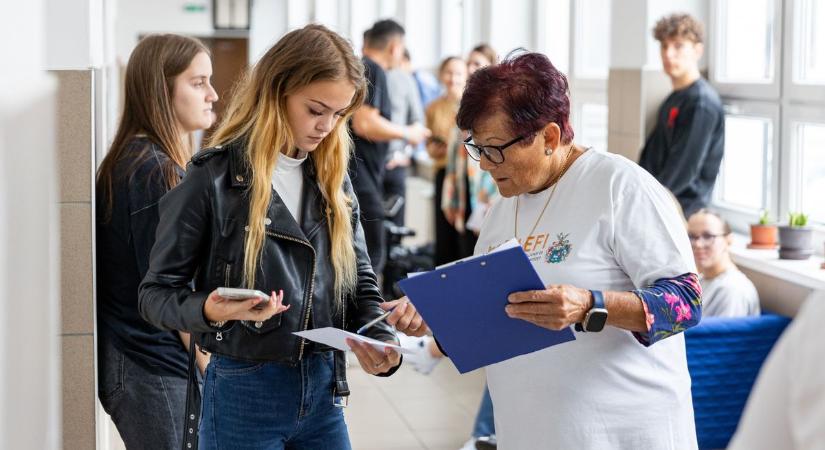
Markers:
786,409
729,294
288,182
609,226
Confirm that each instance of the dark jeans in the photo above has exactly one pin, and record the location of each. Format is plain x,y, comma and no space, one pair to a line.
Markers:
257,405
147,408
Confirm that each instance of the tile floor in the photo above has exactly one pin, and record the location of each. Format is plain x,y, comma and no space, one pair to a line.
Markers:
413,411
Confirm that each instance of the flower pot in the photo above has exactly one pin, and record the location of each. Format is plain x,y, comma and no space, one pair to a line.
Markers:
763,236
795,242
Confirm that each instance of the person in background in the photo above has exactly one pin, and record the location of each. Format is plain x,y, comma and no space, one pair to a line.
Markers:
467,192
685,149
270,207
726,291
167,97
406,110
482,55
786,408
440,117
372,130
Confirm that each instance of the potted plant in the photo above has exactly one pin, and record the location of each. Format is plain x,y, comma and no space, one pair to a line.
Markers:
795,238
763,234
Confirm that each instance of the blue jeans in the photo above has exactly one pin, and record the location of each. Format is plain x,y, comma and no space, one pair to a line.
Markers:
485,425
147,408
256,405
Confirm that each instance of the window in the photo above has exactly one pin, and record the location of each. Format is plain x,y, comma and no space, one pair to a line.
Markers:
591,50
747,67
743,176
591,125
745,41
746,51
810,146
590,59
804,71
809,37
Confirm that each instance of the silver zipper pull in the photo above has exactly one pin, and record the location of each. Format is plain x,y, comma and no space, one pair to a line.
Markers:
219,336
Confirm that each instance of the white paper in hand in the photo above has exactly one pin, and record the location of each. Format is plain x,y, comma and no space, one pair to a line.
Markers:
337,338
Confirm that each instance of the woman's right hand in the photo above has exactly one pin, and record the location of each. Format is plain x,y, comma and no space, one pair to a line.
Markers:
219,309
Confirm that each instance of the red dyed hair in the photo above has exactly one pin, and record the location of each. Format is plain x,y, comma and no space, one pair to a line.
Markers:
527,88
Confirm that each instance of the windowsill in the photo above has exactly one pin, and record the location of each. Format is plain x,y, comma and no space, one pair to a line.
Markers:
805,273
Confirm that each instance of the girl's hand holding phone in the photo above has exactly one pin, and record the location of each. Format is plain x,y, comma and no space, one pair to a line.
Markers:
220,309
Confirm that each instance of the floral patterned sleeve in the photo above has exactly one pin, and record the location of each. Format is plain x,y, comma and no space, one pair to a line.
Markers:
672,305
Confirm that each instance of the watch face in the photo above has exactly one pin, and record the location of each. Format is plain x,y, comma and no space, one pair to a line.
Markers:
595,320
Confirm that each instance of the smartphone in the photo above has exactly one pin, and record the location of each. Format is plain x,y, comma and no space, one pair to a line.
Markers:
241,294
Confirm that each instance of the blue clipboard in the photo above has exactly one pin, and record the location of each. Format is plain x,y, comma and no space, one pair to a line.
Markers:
463,304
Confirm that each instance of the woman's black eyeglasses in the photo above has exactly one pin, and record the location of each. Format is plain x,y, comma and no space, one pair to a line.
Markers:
494,153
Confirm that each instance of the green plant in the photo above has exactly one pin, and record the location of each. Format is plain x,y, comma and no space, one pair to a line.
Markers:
764,217
797,220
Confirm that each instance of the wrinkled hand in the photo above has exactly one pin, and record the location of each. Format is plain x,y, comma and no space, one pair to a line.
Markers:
372,360
219,309
405,317
556,307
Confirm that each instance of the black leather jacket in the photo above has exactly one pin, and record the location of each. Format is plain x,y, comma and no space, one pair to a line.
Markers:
201,236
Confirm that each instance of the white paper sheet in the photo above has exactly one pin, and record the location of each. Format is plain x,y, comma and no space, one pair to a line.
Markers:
336,338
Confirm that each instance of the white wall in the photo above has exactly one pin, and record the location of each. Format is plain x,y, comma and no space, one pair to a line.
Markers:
71,30
135,17
268,23
29,345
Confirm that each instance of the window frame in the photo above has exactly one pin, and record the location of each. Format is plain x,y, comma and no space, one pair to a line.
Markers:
740,217
795,103
790,198
577,102
763,91
584,88
796,92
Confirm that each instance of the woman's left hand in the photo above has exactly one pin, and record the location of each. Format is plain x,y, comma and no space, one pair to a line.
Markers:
372,360
405,317
556,307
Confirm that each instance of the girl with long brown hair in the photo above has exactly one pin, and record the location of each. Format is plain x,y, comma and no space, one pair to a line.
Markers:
270,207
142,368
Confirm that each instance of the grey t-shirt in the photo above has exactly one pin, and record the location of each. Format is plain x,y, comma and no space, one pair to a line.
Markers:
406,104
730,294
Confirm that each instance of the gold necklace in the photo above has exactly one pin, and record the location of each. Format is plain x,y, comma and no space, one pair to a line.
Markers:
555,183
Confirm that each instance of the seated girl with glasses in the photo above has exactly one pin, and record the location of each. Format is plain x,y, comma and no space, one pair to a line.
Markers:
726,291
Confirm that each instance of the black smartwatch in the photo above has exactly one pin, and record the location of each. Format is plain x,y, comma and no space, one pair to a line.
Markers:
596,318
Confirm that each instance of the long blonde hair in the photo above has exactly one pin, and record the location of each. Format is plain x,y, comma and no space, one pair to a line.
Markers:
258,114
147,109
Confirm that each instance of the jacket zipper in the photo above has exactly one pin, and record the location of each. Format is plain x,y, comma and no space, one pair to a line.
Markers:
219,334
311,285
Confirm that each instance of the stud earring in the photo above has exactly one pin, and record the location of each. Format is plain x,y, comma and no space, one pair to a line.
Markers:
548,151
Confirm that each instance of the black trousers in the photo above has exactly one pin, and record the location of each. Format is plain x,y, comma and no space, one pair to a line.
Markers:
395,184
449,243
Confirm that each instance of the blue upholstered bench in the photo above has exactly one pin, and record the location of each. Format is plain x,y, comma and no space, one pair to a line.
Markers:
724,356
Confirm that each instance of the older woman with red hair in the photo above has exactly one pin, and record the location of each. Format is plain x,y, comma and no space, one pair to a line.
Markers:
604,237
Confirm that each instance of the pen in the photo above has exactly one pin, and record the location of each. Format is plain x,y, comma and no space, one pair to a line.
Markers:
376,320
